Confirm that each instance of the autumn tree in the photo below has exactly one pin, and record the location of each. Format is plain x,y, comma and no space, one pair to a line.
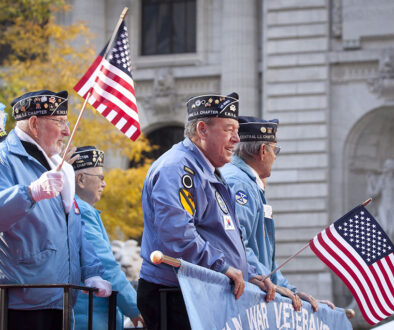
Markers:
37,53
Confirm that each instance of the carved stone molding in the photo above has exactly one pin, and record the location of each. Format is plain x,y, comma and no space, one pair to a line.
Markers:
336,22
383,85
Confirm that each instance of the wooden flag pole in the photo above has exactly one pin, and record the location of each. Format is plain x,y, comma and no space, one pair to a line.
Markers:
122,16
302,249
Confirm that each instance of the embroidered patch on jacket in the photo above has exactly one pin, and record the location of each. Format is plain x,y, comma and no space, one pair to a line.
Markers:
241,197
187,201
187,181
228,223
188,169
77,210
221,202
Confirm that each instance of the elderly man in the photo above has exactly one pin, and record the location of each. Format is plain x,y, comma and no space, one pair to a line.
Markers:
42,236
89,178
189,210
250,165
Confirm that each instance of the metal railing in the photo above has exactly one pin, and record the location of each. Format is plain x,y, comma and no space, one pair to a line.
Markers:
67,303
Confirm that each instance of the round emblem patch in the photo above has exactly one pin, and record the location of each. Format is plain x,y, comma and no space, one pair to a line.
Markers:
221,202
187,181
241,197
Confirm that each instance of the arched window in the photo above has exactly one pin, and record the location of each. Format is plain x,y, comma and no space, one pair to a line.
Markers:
168,27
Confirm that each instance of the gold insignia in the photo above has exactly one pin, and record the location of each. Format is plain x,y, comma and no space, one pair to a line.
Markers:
232,107
210,100
94,159
187,169
193,106
269,130
45,105
216,101
187,201
263,129
23,109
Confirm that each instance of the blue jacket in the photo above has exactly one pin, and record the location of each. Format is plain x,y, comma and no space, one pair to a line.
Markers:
258,231
126,298
38,242
188,214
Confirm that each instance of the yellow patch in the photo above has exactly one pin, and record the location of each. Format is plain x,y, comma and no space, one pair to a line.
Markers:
187,201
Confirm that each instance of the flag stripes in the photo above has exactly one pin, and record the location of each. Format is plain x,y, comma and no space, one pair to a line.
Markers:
371,285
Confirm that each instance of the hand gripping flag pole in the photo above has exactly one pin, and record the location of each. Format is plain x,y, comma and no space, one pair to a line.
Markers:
90,91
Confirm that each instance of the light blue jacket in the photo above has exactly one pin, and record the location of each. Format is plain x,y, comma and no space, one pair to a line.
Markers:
38,242
126,298
188,214
258,232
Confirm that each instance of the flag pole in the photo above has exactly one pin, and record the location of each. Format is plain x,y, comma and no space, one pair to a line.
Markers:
302,249
121,18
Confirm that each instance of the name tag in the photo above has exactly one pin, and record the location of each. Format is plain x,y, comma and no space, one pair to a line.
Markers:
267,211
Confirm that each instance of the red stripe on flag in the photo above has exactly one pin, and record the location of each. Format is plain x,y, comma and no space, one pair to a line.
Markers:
385,295
386,277
113,76
87,75
329,251
355,263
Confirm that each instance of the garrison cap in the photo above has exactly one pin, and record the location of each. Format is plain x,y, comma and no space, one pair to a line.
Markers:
255,129
89,156
40,103
205,106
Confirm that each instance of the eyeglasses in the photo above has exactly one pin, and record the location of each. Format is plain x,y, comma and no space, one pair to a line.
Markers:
100,176
61,123
276,149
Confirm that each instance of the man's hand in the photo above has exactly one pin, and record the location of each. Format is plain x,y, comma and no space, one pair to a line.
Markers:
297,303
49,185
310,299
104,287
327,302
265,285
137,319
239,283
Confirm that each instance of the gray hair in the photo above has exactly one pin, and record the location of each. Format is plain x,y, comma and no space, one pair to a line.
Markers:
191,126
248,150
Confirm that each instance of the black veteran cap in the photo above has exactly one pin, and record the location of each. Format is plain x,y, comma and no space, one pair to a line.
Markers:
255,129
89,156
213,106
40,103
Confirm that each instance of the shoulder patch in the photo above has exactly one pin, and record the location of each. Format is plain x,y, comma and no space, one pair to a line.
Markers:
187,181
188,169
241,197
187,201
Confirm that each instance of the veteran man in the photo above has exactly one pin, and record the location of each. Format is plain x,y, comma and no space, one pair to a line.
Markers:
250,165
189,210
89,179
42,236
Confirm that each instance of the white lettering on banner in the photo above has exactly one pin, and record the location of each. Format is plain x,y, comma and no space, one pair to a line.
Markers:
285,318
258,316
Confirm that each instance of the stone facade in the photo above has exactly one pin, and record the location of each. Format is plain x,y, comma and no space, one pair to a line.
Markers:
324,68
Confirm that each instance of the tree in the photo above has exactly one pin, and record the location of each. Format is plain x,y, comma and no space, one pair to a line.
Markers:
39,54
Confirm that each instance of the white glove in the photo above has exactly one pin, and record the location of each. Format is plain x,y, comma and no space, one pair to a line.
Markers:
49,185
103,286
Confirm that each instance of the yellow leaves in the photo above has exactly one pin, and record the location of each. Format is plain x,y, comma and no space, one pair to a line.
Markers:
42,56
121,202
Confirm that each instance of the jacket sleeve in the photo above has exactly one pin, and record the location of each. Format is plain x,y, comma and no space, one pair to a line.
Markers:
15,200
96,235
248,214
176,228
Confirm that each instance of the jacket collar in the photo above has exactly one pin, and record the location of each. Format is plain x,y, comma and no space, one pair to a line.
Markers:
240,163
202,161
15,145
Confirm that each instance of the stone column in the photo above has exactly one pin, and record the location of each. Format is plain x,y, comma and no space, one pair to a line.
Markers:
239,47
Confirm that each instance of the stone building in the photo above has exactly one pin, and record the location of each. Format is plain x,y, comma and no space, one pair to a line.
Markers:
324,68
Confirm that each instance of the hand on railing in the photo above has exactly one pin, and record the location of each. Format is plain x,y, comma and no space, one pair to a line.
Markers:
104,287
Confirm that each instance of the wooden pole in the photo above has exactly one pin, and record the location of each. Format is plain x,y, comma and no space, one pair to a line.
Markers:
122,16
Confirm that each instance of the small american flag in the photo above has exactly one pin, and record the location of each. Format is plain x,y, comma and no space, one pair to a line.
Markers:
357,249
112,87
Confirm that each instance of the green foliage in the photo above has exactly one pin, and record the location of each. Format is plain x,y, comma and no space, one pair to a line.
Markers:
37,53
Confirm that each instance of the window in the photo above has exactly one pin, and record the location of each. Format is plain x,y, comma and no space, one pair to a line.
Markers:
168,27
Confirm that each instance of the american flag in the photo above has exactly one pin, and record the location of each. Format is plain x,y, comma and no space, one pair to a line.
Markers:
112,87
357,249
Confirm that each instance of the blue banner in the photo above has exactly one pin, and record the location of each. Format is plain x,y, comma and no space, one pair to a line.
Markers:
211,304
